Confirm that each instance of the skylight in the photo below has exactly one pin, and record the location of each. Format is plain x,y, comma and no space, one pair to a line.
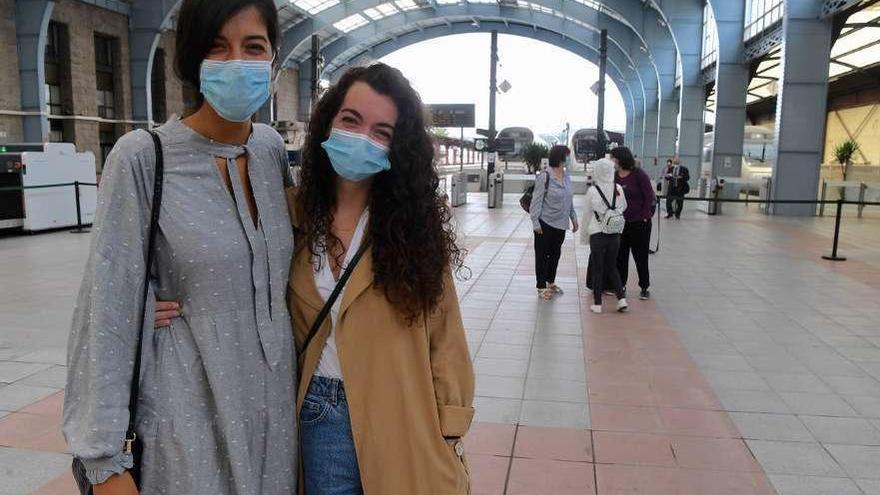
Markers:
351,23
314,6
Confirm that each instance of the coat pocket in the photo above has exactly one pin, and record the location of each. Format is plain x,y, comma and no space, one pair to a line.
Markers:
456,447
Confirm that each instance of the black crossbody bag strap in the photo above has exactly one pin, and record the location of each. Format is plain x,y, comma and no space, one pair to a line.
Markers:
610,206
130,435
343,279
132,445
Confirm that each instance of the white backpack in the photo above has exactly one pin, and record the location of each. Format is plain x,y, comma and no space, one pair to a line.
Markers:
612,221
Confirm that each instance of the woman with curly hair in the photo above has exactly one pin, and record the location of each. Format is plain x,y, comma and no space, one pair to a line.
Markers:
387,385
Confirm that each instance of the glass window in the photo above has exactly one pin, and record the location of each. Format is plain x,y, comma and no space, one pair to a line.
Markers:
107,138
761,15
105,76
710,40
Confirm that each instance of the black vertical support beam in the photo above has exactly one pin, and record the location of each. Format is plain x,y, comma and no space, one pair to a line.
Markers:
316,76
493,90
603,64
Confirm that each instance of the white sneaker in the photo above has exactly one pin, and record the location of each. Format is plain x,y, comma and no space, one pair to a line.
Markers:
545,294
596,308
556,289
622,305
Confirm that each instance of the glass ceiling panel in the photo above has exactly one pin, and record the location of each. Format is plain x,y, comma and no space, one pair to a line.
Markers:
314,6
837,69
863,58
381,11
849,42
351,23
406,5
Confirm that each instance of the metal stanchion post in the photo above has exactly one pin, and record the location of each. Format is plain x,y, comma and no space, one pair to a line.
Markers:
79,226
862,188
834,256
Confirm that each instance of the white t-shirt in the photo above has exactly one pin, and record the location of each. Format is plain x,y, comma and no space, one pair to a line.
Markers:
328,365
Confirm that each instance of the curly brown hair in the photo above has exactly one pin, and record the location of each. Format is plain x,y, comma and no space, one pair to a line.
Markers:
410,226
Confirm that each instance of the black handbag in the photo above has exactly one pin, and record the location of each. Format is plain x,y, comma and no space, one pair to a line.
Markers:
525,201
132,444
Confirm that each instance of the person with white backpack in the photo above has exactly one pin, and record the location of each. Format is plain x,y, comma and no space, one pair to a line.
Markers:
603,215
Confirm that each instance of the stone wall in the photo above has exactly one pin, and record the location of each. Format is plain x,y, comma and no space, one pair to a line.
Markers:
174,104
287,95
10,96
83,21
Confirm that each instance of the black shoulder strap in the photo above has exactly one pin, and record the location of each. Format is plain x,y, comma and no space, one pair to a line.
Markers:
604,199
151,242
343,279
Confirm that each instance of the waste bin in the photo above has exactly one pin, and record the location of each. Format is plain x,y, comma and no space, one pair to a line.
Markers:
715,188
458,189
496,190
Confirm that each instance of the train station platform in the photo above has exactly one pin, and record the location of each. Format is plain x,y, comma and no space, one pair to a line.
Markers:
754,368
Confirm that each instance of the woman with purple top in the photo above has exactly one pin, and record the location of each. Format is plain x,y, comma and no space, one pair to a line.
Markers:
640,200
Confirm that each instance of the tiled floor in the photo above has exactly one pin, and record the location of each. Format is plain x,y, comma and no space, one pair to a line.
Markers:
754,370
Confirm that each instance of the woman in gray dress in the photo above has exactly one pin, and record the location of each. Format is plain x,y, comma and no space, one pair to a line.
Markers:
217,389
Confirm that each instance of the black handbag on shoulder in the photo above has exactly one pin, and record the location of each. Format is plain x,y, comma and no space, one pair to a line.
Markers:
525,201
132,444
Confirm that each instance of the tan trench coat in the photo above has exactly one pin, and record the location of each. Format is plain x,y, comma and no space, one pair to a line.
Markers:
408,387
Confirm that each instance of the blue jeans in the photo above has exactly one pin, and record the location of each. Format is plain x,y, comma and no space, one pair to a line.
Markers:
329,458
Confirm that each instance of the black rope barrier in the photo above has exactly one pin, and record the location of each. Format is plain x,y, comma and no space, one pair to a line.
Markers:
839,214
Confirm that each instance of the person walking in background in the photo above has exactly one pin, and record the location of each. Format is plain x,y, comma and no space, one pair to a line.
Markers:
551,210
603,215
677,177
636,235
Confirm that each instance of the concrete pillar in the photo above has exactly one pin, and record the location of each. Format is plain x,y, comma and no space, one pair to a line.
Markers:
801,105
304,85
686,21
638,138
652,119
32,21
666,59
145,28
731,83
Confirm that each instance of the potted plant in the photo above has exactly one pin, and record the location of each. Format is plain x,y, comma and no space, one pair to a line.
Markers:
843,153
532,154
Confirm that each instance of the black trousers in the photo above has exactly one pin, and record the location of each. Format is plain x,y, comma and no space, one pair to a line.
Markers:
548,249
636,237
674,205
603,262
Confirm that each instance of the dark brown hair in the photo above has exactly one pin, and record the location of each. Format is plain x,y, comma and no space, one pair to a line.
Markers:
624,157
412,238
558,154
198,25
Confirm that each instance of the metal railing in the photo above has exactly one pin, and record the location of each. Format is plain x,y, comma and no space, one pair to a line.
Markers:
80,228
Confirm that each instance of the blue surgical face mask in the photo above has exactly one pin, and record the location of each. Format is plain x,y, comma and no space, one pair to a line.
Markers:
355,157
236,89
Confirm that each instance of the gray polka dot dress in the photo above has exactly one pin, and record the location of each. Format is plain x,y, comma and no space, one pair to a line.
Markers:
216,412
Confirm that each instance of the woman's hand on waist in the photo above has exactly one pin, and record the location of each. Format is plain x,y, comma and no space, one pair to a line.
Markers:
165,312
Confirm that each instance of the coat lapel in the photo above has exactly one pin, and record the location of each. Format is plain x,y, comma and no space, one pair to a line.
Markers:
361,279
302,280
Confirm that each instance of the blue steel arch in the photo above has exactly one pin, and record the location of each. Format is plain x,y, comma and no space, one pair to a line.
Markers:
361,38
632,96
638,17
